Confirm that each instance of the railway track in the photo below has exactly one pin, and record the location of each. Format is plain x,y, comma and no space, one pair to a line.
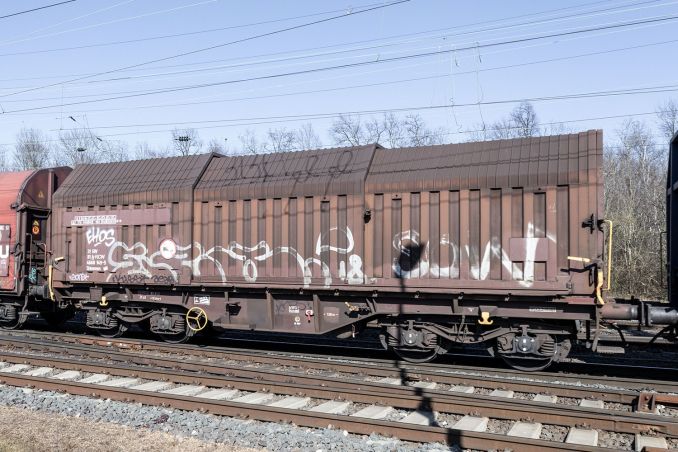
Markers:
489,377
414,403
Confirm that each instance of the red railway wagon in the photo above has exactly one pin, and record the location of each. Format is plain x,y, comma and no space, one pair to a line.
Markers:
500,243
25,203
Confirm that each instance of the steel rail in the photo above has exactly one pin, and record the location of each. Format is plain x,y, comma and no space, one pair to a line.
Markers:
403,397
494,379
214,351
398,370
364,426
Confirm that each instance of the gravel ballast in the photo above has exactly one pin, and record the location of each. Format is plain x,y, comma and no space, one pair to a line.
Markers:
29,430
175,427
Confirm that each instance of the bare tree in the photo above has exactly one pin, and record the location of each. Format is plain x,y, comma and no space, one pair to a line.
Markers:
143,151
216,146
502,130
186,141
521,122
525,120
667,115
394,131
348,130
280,140
31,150
306,138
634,173
418,134
250,143
83,146
373,131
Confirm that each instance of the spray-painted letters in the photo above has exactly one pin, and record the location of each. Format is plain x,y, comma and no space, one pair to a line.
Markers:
4,250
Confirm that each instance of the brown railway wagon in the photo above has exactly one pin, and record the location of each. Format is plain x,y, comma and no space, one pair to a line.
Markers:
334,240
487,217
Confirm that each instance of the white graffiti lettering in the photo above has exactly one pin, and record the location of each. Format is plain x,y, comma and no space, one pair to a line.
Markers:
414,259
4,236
80,277
97,236
137,260
408,245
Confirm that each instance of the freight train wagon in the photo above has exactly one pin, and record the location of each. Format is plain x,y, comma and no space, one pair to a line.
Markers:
501,243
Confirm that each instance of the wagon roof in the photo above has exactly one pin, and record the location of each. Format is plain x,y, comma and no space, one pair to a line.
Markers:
169,179
522,162
287,174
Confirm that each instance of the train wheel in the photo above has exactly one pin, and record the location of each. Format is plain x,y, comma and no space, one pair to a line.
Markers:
10,319
173,328
527,364
530,353
416,355
176,338
15,324
113,332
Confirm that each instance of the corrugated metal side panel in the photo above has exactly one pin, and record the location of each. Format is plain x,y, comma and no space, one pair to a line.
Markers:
504,238
309,241
128,252
143,181
523,162
286,174
477,235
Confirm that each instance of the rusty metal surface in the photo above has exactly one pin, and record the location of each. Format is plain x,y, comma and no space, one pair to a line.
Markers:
135,182
10,186
505,213
18,191
477,218
287,174
647,401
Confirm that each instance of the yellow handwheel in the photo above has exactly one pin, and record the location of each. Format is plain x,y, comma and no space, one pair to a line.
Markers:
196,319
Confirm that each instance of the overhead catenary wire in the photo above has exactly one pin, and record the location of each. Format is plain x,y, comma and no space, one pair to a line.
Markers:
246,65
370,47
347,65
110,22
584,95
39,8
365,85
216,46
174,35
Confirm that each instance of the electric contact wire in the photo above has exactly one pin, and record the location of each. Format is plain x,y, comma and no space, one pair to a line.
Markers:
205,49
342,88
175,35
358,42
114,21
658,20
585,95
6,16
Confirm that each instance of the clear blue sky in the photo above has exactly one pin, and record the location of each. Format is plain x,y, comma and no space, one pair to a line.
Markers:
32,56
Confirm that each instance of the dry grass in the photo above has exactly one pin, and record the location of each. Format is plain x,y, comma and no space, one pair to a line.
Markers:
24,430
